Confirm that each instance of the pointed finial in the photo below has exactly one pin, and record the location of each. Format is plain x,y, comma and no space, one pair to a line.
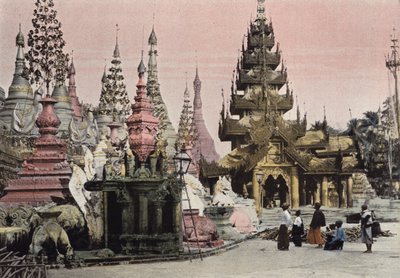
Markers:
20,41
324,113
186,77
104,77
142,39
71,69
116,50
141,67
351,116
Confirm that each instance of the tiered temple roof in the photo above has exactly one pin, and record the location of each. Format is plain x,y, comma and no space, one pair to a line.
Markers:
255,92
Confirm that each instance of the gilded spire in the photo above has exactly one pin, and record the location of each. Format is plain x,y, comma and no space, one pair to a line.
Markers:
141,68
260,9
166,131
104,77
204,144
20,41
116,50
71,72
197,82
152,37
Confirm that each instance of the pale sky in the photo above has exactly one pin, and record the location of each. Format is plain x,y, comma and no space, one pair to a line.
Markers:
334,49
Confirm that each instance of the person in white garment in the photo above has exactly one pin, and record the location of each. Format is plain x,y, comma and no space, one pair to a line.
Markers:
286,222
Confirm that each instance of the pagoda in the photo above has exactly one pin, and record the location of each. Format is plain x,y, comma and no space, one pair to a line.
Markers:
20,94
114,100
204,145
187,134
166,131
75,104
273,159
82,128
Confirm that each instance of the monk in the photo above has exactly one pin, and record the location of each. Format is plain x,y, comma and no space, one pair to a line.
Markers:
318,221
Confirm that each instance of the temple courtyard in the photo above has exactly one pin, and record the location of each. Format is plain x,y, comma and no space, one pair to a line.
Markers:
260,258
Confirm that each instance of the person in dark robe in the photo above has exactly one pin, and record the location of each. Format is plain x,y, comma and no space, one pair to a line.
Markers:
286,222
314,233
297,229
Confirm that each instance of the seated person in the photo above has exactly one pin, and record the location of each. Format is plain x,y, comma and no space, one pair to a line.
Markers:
336,237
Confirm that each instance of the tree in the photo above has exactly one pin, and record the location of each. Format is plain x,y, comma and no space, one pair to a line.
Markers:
46,59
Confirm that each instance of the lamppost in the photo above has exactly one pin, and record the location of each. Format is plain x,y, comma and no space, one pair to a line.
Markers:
259,177
181,163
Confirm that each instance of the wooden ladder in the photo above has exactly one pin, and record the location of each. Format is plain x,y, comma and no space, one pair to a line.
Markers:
192,226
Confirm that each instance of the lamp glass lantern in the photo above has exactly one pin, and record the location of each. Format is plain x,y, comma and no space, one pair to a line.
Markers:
181,162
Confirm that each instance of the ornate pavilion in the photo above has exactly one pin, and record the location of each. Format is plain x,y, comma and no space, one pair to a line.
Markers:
273,158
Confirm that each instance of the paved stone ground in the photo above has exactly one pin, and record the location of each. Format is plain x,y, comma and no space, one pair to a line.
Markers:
260,258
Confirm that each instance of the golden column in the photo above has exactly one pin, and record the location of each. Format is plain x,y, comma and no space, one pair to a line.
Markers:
294,187
324,191
344,195
317,193
350,192
256,192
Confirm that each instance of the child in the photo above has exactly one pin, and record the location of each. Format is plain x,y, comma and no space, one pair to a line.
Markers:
339,237
297,230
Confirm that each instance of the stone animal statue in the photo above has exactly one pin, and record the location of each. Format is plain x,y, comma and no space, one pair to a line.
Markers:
223,194
195,192
50,239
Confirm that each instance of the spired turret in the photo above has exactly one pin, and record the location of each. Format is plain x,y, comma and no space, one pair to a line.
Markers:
166,131
187,133
20,94
204,144
114,100
75,105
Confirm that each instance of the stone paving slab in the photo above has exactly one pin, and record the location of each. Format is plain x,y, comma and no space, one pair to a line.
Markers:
260,258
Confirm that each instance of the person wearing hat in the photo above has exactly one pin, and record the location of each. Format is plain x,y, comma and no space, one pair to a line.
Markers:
337,239
286,222
317,221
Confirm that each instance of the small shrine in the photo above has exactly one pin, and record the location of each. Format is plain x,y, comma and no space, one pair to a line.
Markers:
142,209
46,173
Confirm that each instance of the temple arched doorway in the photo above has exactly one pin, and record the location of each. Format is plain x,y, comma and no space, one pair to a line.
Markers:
275,191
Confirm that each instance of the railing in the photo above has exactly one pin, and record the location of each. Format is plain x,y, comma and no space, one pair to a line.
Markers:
22,270
12,266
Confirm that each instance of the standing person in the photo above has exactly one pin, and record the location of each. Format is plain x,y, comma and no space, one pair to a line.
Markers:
286,222
318,221
366,228
298,229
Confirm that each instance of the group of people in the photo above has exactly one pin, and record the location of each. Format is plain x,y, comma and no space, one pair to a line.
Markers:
335,235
